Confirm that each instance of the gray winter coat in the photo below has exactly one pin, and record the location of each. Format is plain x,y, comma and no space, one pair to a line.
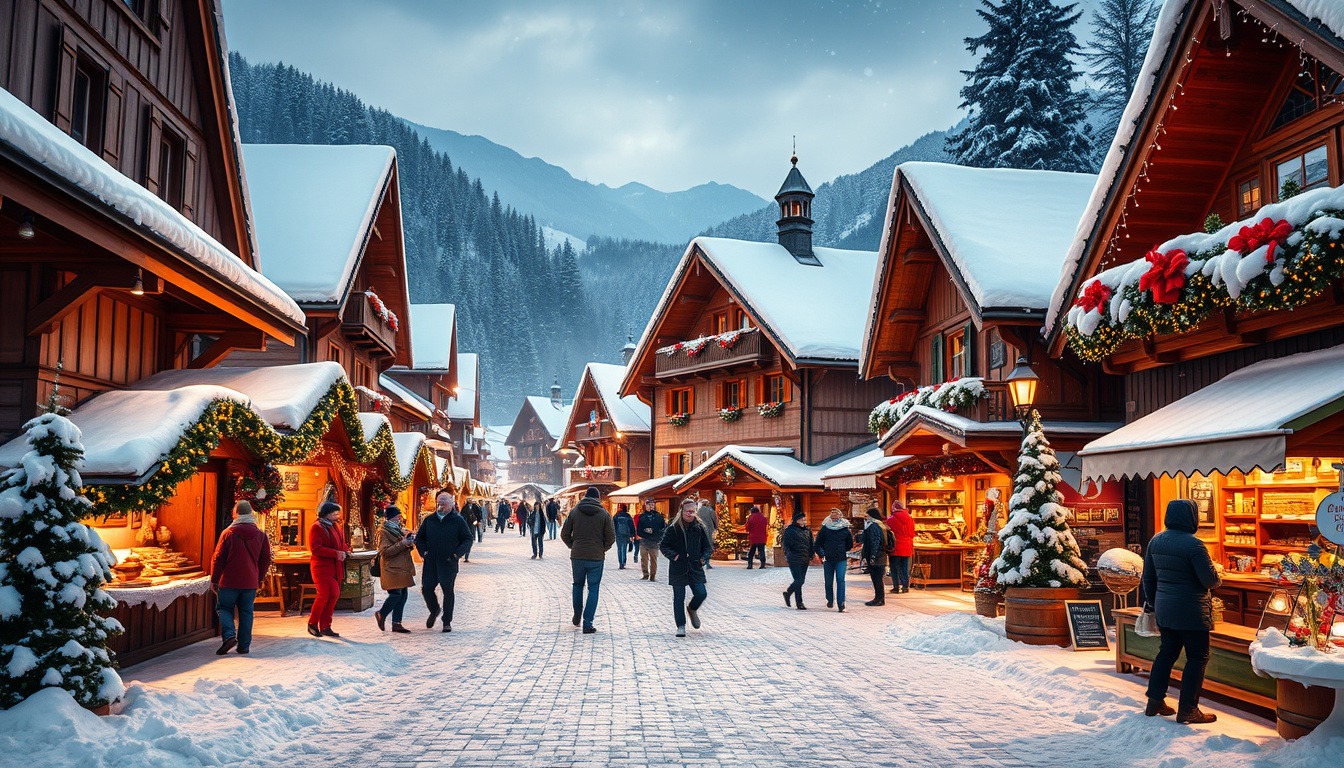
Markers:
1177,572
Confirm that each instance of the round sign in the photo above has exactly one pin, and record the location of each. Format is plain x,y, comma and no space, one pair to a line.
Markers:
1330,517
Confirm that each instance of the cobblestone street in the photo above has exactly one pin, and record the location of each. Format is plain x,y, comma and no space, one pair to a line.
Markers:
516,684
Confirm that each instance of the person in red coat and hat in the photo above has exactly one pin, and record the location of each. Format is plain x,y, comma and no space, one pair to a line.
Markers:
756,528
326,541
242,557
902,527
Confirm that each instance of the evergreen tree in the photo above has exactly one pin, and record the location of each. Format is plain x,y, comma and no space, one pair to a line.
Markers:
51,568
1024,112
1038,548
1121,31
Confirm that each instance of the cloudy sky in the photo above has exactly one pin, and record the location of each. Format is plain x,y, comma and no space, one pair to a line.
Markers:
671,94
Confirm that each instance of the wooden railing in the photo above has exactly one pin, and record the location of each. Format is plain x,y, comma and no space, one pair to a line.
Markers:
360,321
592,475
584,433
748,349
997,407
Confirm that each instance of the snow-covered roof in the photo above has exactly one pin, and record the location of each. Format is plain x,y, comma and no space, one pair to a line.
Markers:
126,433
1329,13
778,290
627,414
861,471
462,406
1241,421
407,445
432,327
633,492
552,419
497,438
283,395
371,423
775,465
314,207
1006,230
393,388
957,427
30,134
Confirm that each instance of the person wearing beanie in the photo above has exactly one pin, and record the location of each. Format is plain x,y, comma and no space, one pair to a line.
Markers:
798,544
877,540
589,533
396,568
902,527
687,546
651,526
756,535
624,525
834,541
442,539
326,543
242,557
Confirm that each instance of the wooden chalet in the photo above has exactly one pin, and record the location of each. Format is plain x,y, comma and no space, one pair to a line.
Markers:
961,293
533,454
609,432
756,345
1229,340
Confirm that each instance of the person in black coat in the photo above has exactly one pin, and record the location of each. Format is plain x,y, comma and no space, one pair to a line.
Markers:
687,546
520,516
502,513
1177,577
471,512
650,526
536,520
553,518
798,544
834,541
442,539
875,554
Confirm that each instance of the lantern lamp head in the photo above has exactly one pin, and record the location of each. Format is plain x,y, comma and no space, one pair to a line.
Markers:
1279,603
1022,383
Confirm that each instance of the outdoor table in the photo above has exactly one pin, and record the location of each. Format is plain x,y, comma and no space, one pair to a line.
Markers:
1272,656
294,573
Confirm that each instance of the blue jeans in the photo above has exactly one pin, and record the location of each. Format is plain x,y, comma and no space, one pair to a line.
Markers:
538,542
589,571
900,571
835,580
634,547
698,595
553,528
242,599
622,548
393,605
480,532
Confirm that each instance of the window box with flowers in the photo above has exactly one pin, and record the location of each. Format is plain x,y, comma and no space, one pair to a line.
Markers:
382,311
730,415
770,410
679,419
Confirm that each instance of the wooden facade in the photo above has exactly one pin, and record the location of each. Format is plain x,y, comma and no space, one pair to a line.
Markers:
611,454
532,454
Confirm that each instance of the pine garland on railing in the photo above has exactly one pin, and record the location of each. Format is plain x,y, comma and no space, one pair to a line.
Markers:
951,396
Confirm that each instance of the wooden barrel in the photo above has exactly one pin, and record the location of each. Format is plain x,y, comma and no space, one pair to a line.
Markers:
1301,708
1037,616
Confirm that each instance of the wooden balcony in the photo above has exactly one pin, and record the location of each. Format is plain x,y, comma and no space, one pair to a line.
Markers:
997,407
584,434
592,475
364,328
749,350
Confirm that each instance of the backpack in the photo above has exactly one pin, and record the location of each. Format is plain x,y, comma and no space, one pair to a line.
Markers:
889,541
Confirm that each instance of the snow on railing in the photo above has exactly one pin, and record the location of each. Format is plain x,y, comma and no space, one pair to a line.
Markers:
950,396
693,347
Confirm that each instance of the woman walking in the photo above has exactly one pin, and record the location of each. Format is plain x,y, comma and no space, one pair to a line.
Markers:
757,529
687,547
396,566
798,546
326,541
1177,577
877,539
834,541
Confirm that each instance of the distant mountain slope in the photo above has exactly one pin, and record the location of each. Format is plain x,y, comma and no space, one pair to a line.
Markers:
560,201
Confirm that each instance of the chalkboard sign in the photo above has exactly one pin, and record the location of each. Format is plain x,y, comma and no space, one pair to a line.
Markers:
1087,626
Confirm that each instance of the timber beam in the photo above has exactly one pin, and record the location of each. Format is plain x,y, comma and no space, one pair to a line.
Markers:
43,317
226,343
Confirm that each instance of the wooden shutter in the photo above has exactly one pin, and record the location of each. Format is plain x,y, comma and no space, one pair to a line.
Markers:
667,464
64,98
968,337
112,119
788,388
936,360
154,137
192,151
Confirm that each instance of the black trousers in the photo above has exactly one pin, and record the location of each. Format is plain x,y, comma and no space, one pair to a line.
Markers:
443,574
499,525
538,541
751,553
799,573
876,573
1196,645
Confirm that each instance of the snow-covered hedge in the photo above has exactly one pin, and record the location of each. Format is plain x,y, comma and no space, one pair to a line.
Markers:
950,396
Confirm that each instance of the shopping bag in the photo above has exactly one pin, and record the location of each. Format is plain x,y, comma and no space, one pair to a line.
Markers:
1146,626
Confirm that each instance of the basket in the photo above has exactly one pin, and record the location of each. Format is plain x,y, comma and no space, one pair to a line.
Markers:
987,604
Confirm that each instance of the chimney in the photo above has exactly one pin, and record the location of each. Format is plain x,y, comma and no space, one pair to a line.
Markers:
556,401
628,351
795,216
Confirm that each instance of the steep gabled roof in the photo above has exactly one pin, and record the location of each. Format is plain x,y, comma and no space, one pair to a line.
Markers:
552,419
627,414
434,339
394,388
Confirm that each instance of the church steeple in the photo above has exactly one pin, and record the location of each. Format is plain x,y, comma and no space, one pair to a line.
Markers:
795,216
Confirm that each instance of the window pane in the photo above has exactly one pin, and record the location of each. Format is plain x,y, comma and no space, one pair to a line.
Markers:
1248,194
79,112
1290,170
1317,168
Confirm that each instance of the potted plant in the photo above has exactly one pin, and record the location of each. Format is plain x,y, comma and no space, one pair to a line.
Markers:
988,593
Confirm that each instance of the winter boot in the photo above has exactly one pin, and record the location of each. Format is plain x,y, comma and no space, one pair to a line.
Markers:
400,629
788,597
382,622
801,607
1158,707
1196,716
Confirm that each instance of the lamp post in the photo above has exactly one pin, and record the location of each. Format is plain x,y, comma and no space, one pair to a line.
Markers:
1022,383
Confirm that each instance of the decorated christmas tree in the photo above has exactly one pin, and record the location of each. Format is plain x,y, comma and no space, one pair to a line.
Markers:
1038,548
51,568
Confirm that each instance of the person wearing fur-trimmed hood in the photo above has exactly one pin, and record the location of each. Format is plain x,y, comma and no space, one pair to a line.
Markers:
687,546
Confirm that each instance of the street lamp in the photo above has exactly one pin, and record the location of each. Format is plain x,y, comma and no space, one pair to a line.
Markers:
1022,388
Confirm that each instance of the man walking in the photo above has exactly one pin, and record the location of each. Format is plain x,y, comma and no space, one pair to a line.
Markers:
686,545
798,545
710,519
625,529
442,539
536,520
756,535
589,533
501,515
650,526
553,518
472,514
877,540
242,557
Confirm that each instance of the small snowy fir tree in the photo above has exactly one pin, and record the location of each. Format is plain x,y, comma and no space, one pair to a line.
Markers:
1024,112
1038,548
51,568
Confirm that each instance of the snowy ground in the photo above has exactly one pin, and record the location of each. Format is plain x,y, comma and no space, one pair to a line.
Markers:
918,682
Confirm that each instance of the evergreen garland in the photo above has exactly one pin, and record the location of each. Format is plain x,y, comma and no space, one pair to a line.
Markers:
51,569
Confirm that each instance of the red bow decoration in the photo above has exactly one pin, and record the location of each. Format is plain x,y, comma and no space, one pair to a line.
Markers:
1166,277
1267,231
1094,296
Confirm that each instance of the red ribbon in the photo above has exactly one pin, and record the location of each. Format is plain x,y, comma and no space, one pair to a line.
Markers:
1268,231
1166,277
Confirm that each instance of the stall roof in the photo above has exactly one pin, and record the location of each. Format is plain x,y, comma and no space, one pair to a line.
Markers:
407,445
861,471
283,395
539,489
583,485
775,465
415,402
656,487
370,423
1240,422
958,429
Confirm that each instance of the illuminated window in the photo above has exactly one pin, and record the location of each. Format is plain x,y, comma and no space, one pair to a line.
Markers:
1248,196
956,355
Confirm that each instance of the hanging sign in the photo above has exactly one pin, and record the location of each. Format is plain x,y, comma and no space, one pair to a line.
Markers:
1330,517
1087,625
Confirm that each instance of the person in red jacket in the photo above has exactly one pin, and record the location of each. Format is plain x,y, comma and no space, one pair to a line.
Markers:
756,527
326,541
242,557
902,527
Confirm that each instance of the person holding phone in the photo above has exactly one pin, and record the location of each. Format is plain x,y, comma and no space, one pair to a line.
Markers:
396,566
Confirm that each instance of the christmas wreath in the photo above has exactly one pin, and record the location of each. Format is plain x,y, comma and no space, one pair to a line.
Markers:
261,486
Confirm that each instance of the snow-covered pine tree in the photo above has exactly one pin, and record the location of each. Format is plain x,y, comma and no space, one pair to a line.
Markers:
1024,112
1038,548
51,569
1121,32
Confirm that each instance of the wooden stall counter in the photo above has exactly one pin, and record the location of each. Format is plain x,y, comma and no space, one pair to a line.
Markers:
937,565
356,584
1229,672
161,617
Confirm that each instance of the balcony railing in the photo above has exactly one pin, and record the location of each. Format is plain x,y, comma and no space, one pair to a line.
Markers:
998,406
592,475
586,432
748,349
361,324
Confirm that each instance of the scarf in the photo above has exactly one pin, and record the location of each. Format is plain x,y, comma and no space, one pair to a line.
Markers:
244,520
836,525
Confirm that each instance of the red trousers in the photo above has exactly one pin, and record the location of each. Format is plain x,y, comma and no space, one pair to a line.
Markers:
328,589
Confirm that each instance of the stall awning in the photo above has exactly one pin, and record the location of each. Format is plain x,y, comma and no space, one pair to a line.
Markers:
775,465
860,473
1249,419
923,430
658,487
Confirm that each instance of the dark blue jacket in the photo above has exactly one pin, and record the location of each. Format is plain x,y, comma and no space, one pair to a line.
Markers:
1178,573
797,543
651,525
444,539
687,547
502,510
875,544
624,523
833,544
552,510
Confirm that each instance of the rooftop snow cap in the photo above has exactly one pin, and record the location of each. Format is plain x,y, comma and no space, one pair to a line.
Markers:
795,216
